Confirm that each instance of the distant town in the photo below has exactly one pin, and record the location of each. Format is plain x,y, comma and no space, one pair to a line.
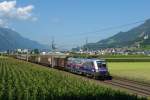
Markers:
107,51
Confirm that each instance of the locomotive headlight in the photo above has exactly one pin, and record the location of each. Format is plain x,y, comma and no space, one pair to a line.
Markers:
93,70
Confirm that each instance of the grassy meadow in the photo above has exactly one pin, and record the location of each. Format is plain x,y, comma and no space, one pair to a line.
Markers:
21,80
139,71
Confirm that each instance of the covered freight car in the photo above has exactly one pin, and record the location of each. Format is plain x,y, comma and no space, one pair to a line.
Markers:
52,60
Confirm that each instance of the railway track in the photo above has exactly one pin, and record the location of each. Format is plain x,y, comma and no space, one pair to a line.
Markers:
135,87
138,88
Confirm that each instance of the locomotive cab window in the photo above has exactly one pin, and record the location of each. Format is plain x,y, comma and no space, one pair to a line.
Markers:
101,64
104,65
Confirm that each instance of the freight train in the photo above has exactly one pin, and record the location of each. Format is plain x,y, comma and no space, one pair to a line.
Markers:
96,68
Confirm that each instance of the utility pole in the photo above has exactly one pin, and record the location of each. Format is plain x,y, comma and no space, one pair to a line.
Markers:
53,44
86,42
53,50
27,55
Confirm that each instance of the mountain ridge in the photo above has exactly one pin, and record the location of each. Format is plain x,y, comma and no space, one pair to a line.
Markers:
122,39
10,39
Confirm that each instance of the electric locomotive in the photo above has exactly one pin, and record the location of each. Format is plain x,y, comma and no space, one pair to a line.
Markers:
91,67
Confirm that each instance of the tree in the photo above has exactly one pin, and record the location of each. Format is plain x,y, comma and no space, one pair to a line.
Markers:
36,51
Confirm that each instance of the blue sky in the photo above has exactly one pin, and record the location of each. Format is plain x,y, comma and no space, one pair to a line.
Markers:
68,21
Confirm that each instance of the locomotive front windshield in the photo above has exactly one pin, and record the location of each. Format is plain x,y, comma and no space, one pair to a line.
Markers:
101,64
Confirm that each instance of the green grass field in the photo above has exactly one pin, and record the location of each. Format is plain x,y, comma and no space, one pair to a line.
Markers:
139,71
116,58
20,80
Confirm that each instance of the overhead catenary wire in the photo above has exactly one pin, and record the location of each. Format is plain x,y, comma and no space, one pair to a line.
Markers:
107,29
85,34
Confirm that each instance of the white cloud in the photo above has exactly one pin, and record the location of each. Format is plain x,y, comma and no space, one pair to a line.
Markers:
25,12
9,10
7,6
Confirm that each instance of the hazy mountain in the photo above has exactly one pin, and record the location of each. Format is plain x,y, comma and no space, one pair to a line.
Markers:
138,35
10,39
